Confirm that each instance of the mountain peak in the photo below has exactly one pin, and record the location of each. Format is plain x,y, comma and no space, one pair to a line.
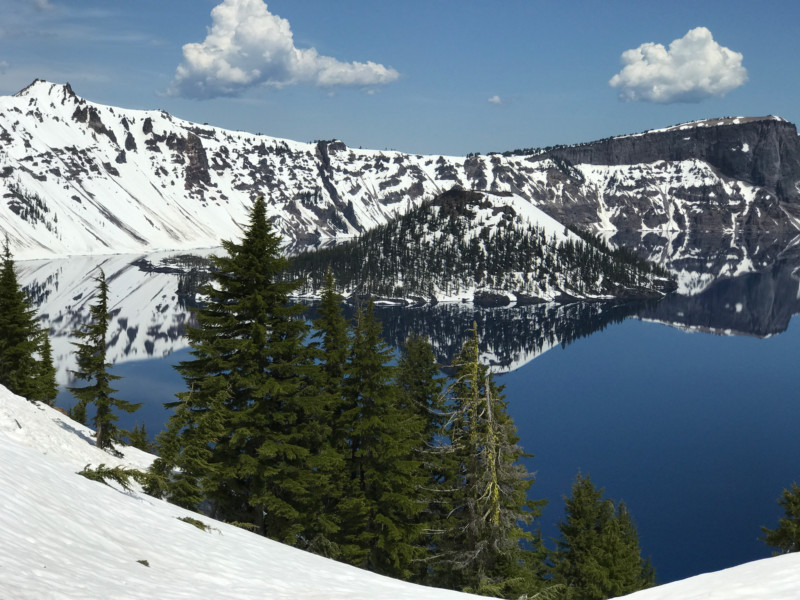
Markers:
40,88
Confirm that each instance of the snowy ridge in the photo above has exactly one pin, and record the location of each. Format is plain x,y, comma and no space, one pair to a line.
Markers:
68,537
83,178
706,123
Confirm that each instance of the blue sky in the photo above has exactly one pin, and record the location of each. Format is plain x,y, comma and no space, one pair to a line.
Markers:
421,76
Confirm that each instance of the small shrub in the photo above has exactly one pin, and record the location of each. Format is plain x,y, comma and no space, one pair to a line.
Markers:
120,475
196,522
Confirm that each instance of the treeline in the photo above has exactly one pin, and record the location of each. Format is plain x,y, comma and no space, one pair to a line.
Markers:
444,247
621,254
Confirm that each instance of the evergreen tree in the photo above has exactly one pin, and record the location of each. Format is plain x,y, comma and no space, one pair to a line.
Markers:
330,348
186,451
598,554
46,388
248,355
484,547
381,526
420,391
331,330
137,437
20,336
93,368
786,537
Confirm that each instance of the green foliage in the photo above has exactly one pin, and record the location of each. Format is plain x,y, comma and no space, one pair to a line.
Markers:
137,438
196,522
93,368
251,434
621,255
786,537
484,547
120,475
381,529
21,339
45,386
598,554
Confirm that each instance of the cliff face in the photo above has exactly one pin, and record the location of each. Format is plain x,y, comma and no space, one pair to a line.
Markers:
763,152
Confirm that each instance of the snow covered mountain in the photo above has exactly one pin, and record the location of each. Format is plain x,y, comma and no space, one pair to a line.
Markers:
65,536
82,178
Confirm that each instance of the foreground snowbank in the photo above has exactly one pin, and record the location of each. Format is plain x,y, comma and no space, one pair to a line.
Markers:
67,537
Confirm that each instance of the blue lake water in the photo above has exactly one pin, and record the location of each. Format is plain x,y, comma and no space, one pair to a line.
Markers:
697,433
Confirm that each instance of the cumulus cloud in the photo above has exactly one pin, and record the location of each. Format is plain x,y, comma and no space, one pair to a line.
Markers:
247,46
495,100
694,68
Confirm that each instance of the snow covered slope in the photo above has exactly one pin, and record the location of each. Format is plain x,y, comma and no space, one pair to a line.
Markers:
82,178
67,537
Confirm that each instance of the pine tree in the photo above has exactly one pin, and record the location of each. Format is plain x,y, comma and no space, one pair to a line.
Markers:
331,331
20,335
598,554
381,527
46,388
485,547
330,348
248,354
92,367
420,391
137,438
786,537
186,450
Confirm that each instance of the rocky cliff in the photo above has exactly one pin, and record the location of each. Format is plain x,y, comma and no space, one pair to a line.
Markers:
763,152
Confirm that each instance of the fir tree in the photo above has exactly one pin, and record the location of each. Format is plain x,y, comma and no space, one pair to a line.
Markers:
381,526
20,336
248,355
484,547
330,348
786,537
186,450
93,368
420,391
137,438
598,554
46,388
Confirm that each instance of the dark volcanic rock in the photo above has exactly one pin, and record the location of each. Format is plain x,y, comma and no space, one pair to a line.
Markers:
760,151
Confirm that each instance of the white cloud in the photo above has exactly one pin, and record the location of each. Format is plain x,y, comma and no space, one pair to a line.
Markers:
247,46
694,68
495,100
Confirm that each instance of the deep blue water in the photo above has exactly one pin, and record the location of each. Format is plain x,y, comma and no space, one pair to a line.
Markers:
697,433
